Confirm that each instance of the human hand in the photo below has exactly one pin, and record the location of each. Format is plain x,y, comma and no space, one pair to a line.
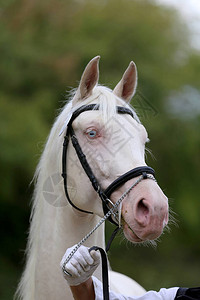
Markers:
81,266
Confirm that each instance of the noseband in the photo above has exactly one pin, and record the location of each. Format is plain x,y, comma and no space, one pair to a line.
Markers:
103,194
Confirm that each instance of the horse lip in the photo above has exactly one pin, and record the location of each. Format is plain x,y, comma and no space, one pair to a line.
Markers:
137,237
139,240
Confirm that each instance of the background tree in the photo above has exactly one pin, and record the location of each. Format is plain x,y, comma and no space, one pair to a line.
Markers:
44,47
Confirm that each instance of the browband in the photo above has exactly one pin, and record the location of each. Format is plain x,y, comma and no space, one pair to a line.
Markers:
76,113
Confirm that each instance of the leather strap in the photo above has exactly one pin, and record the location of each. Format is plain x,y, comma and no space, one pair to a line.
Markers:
64,174
120,110
104,271
127,176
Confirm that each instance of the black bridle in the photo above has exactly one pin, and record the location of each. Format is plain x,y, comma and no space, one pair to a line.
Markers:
103,194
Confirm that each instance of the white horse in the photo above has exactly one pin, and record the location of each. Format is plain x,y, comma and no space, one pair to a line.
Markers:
113,144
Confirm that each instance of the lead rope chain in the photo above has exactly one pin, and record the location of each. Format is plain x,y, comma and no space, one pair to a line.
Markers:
113,211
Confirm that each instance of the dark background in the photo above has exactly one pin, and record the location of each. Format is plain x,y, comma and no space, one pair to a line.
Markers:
44,48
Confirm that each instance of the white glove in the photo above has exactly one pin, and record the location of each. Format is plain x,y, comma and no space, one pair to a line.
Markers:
81,266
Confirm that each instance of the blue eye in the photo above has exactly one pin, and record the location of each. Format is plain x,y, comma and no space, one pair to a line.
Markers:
92,133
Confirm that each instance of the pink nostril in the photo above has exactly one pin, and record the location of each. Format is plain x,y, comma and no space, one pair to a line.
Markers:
142,212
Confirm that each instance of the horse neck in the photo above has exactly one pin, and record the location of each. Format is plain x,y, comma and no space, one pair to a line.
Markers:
66,226
52,231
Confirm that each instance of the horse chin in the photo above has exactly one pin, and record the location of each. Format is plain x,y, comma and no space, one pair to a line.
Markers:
137,237
130,235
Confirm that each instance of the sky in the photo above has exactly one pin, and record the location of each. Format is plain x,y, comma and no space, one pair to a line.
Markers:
190,10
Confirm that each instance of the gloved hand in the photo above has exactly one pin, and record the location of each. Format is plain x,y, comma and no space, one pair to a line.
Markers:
81,266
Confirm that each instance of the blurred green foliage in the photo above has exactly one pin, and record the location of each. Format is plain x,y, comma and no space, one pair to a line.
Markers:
44,47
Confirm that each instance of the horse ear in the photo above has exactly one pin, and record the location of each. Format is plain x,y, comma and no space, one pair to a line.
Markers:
88,80
125,89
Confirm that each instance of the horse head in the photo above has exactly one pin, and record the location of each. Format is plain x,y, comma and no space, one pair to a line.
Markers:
113,144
